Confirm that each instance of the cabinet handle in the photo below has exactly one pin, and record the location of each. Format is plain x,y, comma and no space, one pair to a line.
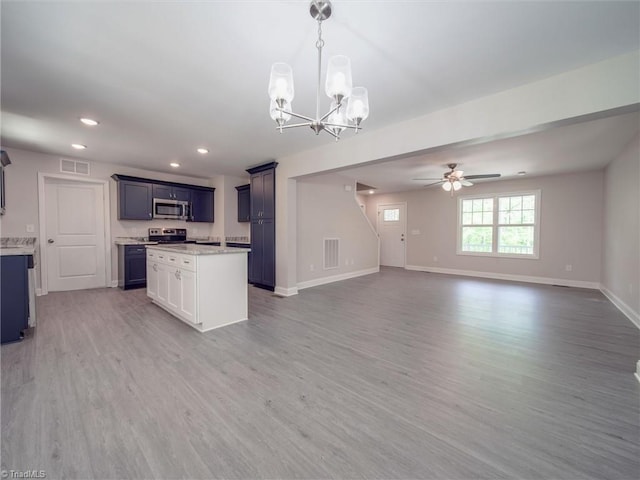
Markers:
149,214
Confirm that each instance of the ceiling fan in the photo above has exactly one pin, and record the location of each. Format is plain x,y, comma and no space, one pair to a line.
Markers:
454,180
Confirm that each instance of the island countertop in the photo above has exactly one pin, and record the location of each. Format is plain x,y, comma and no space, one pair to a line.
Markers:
196,249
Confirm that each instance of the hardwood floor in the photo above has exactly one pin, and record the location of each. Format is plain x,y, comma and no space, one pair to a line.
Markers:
393,375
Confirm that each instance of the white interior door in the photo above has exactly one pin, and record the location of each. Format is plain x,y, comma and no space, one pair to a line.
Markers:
392,226
75,235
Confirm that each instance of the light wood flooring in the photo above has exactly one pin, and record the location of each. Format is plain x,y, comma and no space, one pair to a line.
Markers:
393,375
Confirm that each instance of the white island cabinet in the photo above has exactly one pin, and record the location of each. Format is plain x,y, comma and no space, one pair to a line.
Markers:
204,286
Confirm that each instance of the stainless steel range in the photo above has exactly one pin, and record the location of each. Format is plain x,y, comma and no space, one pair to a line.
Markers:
169,235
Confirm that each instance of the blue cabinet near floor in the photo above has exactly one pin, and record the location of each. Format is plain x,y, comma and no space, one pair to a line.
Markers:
132,266
262,269
14,291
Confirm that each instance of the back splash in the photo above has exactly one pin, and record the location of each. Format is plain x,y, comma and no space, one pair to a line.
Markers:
26,241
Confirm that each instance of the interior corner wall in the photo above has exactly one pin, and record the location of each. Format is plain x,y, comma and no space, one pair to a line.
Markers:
571,209
233,228
326,209
621,243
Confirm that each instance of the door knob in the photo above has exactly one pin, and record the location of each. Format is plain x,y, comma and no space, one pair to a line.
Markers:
50,240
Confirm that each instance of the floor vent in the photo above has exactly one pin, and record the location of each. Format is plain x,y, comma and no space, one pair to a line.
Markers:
74,166
331,253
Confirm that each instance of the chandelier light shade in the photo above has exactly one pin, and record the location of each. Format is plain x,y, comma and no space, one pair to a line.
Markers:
281,83
349,106
339,83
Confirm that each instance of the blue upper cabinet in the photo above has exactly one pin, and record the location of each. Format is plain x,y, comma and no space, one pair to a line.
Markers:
202,205
168,192
135,200
244,203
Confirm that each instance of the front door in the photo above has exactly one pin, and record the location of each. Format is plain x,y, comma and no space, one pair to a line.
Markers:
391,229
75,232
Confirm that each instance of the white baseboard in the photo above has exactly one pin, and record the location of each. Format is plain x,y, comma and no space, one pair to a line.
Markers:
508,276
285,292
623,307
39,292
114,283
336,278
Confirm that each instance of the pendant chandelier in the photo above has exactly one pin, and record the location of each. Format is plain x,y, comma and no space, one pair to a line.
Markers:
338,87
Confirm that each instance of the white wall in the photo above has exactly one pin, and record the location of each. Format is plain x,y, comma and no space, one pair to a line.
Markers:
21,179
327,210
571,216
561,99
621,249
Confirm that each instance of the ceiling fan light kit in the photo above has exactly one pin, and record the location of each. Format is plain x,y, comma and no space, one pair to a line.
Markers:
454,180
338,87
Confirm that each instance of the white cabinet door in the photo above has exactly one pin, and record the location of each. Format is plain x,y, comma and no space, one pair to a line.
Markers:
152,279
188,296
163,283
175,288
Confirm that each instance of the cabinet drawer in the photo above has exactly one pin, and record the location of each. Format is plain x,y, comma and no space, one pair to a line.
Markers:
134,250
188,263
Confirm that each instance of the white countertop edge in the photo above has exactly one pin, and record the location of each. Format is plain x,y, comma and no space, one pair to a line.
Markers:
21,250
195,249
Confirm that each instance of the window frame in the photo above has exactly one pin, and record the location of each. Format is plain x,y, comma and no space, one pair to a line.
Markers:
496,226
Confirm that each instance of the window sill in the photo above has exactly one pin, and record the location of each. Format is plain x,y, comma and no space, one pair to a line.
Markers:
533,256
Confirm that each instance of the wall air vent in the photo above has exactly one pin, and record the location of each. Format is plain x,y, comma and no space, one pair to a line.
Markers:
331,253
74,166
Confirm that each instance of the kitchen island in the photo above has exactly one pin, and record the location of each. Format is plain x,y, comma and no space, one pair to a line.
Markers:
204,286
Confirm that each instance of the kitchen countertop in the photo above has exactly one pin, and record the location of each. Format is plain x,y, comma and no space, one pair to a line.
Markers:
133,241
195,249
17,250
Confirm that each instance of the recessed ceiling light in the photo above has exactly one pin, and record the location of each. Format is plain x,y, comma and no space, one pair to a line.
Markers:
371,192
174,164
522,172
89,121
202,150
78,146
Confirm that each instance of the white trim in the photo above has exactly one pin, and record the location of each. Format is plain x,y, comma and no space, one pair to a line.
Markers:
42,177
39,292
508,276
637,372
285,292
337,278
114,283
620,305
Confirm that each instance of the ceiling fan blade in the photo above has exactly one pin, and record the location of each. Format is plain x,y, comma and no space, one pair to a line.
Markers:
488,175
466,183
434,183
439,179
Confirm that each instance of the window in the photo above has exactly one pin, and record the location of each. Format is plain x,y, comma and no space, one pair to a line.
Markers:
391,215
503,225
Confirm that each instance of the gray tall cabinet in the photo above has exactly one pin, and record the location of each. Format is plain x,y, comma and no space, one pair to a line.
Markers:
262,271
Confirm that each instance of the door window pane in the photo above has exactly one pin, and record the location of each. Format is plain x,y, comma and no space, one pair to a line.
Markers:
391,214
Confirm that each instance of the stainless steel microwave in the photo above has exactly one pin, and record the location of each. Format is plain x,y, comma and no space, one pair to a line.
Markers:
171,209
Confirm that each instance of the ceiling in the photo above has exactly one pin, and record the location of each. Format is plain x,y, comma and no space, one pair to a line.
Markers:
164,78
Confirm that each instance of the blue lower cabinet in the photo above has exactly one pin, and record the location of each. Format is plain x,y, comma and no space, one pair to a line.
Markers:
132,266
14,291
